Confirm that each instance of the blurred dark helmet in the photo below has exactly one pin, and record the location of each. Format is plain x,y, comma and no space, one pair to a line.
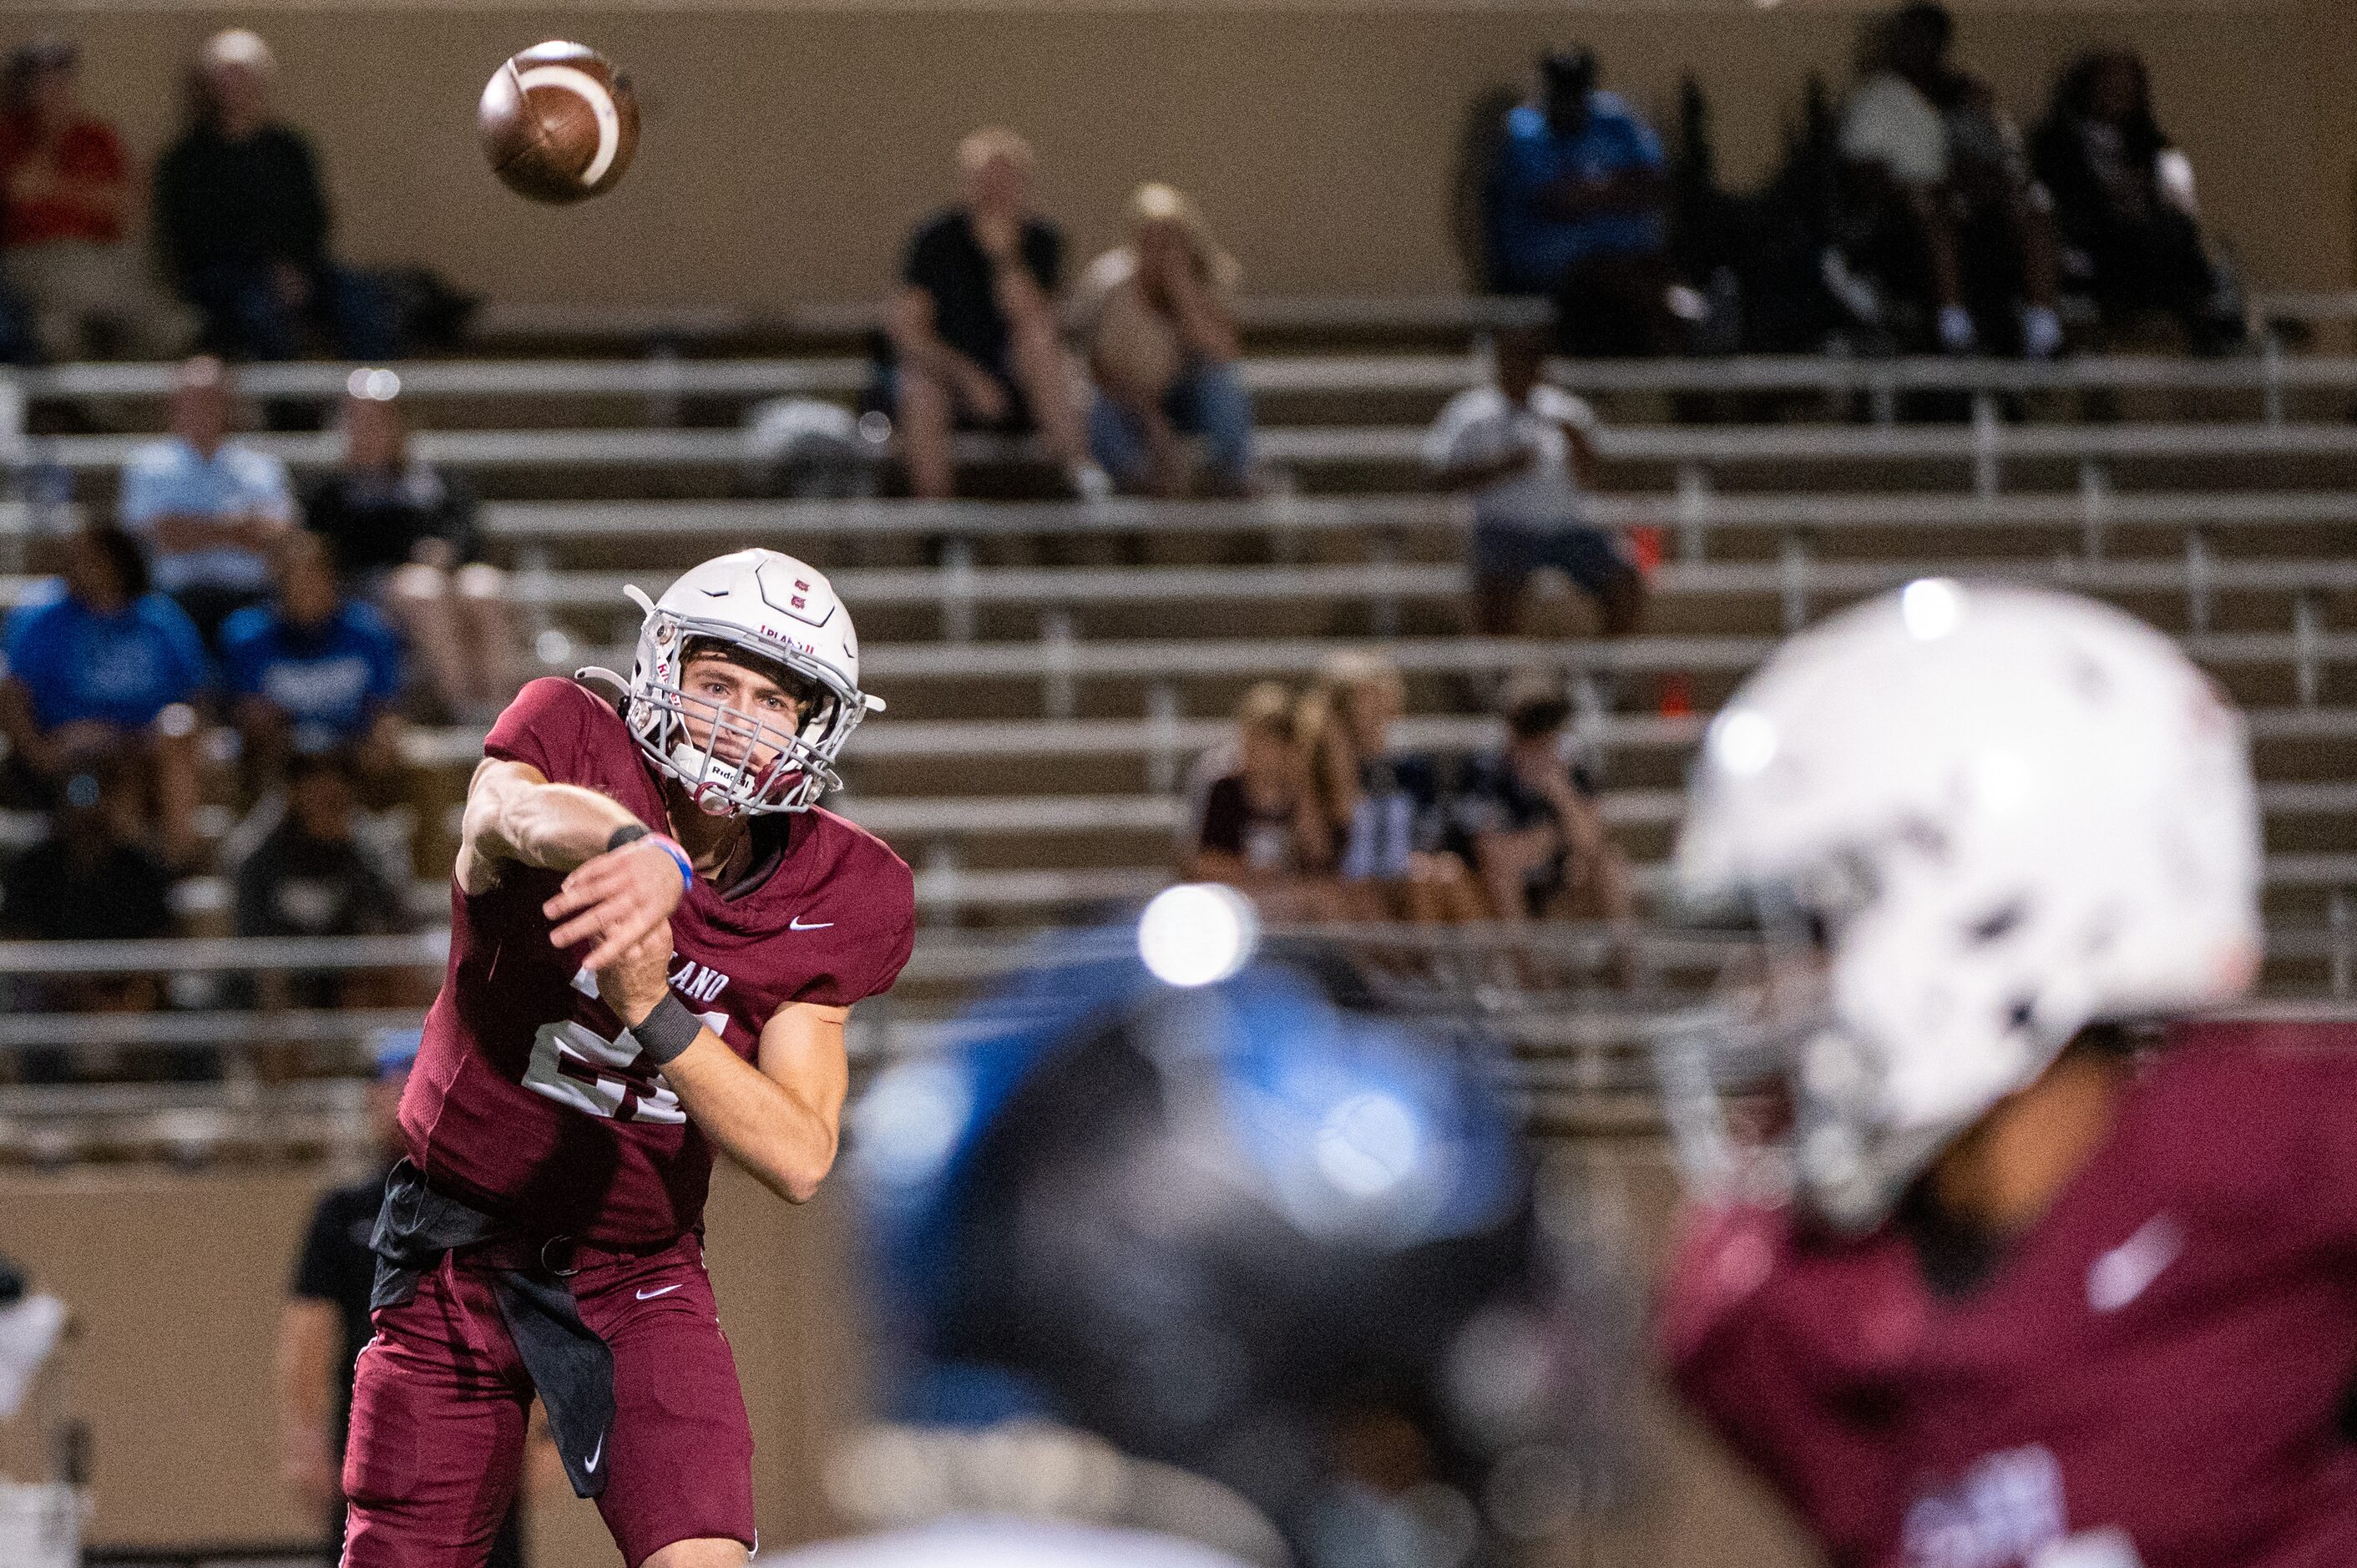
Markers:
1248,1229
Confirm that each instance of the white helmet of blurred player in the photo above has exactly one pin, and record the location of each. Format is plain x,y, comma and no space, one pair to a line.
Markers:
1999,815
768,605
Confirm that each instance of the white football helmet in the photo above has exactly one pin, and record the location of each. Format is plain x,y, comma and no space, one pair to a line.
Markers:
776,609
1999,814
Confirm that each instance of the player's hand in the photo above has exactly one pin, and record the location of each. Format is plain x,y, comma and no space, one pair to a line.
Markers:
638,976
616,899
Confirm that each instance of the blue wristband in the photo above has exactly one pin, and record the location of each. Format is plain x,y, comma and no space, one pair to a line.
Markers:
631,833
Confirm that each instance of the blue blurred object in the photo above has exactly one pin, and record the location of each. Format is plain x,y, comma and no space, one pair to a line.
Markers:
395,1050
1223,1227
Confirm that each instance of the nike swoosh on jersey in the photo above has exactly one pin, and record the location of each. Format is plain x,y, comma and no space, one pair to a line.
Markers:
2120,1275
595,1454
796,924
662,1290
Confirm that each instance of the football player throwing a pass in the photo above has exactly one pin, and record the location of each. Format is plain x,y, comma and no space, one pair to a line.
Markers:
656,936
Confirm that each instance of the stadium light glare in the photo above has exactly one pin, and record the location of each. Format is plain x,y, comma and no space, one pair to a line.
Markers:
1197,933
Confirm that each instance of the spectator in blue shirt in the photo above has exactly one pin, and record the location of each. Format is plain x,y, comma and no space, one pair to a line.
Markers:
313,671
103,668
208,509
1578,203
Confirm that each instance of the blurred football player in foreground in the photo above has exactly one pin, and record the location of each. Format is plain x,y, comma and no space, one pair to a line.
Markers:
1188,1275
2068,1277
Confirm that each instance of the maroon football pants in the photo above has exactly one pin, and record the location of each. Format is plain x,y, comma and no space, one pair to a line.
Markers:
441,1399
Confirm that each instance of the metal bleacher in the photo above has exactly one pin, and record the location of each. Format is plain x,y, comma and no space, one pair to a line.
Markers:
1054,666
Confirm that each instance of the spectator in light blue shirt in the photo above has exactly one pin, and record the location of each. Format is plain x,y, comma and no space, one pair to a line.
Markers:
1578,211
208,509
312,671
102,670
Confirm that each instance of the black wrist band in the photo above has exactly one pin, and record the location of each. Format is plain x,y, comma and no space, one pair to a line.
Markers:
667,1031
628,833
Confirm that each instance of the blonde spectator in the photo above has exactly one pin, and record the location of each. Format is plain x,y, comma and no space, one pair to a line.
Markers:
1258,827
1343,726
1158,321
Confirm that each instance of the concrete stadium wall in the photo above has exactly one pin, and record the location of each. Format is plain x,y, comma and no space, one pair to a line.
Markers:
789,145
175,1280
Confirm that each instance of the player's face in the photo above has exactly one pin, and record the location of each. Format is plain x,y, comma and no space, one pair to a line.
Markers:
713,682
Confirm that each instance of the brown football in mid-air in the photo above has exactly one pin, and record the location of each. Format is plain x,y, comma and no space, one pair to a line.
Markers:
558,123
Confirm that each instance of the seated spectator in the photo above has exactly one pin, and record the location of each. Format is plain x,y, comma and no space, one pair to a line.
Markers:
1158,321
2124,202
1524,451
1343,727
1524,817
1927,151
89,880
310,877
242,222
1257,827
63,234
1578,203
208,509
974,330
106,668
312,671
403,534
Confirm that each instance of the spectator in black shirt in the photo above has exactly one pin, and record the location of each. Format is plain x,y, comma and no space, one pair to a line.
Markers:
402,533
89,880
1523,816
1257,826
309,877
2124,202
325,1320
973,328
243,221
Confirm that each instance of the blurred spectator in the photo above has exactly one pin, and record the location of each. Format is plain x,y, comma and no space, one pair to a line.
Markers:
325,1320
1928,151
974,326
312,671
208,509
243,221
1524,452
89,880
1258,827
1344,725
1578,203
1158,320
63,234
2124,202
402,533
1528,820
310,877
105,668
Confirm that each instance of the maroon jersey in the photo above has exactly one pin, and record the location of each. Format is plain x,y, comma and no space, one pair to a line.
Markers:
2154,1375
530,1099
